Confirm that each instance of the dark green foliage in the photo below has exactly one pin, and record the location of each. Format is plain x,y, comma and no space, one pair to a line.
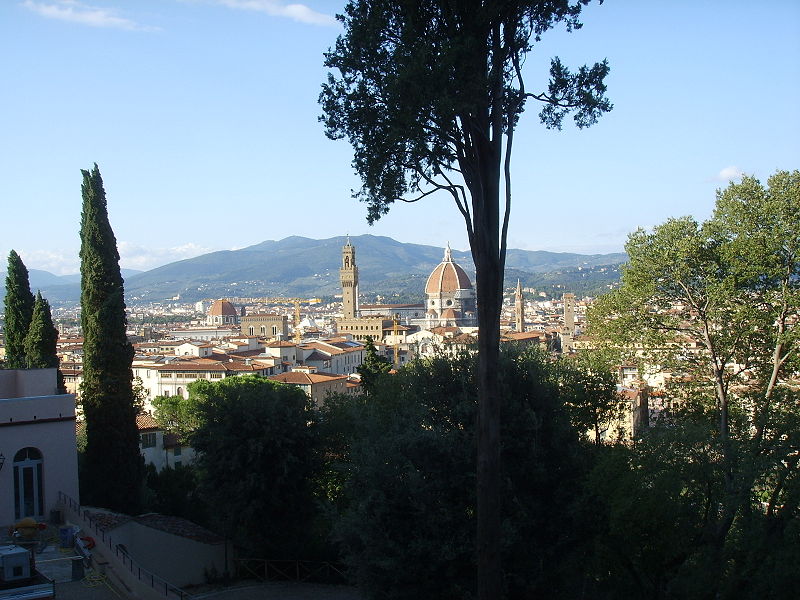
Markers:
42,341
404,466
419,81
373,367
594,406
113,477
429,93
659,505
256,463
174,492
19,311
177,414
714,305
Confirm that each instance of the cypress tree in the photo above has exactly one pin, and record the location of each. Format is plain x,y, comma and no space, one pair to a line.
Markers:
113,466
41,341
19,311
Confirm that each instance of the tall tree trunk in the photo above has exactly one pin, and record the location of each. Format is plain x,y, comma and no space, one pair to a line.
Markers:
489,283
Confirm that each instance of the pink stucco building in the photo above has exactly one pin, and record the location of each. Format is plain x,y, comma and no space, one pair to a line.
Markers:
38,451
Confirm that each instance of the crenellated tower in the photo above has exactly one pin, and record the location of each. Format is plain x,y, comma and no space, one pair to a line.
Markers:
348,275
519,309
568,331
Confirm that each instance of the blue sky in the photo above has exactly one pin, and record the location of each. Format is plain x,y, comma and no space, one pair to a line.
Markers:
202,115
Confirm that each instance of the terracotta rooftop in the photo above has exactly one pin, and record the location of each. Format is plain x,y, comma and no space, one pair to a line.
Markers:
316,356
107,520
303,378
145,422
524,335
381,306
447,277
222,307
445,330
192,366
180,527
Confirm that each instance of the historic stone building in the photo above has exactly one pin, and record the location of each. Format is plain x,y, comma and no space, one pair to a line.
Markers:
348,276
519,309
568,330
222,312
450,302
269,326
352,323
450,298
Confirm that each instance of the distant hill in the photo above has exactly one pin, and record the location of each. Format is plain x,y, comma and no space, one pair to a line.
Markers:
307,267
66,285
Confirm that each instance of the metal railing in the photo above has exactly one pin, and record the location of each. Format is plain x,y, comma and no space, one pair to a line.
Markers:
291,570
149,578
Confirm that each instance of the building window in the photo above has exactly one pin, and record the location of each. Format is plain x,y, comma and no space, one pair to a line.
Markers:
263,330
251,331
274,330
148,440
177,451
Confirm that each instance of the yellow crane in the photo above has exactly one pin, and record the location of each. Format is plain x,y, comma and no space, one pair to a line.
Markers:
280,300
297,302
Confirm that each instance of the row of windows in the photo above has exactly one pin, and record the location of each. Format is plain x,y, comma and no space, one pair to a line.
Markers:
263,330
148,440
170,375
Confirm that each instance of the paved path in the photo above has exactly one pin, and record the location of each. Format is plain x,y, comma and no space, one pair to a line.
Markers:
87,590
284,591
56,563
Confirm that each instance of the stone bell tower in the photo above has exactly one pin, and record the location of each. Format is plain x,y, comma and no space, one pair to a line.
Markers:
348,275
568,331
519,309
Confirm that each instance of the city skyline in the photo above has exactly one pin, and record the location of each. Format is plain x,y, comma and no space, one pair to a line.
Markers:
202,116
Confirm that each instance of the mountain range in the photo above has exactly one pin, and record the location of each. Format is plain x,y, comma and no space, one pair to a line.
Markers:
299,266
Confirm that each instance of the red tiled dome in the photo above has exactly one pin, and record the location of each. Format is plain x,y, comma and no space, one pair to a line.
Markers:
447,277
222,308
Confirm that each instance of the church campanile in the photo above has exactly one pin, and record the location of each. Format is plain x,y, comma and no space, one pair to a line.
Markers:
519,309
348,275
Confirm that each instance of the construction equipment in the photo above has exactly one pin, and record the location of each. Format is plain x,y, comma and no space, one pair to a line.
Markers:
281,300
298,336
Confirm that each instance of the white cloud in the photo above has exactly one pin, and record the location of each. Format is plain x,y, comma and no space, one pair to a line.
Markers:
144,258
74,11
276,8
132,256
57,262
729,173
